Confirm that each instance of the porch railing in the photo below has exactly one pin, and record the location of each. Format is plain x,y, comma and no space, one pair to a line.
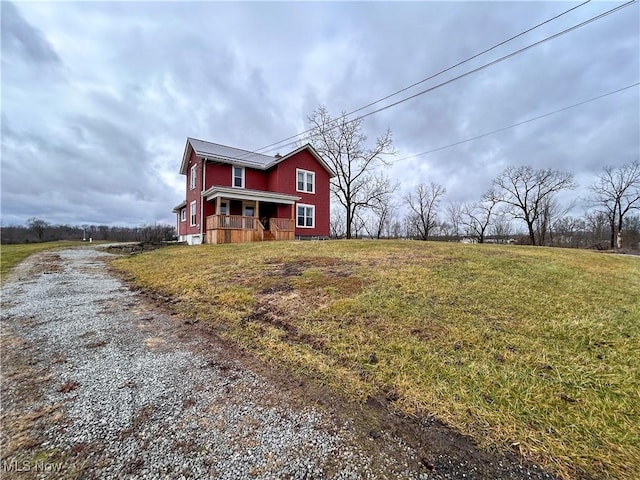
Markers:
259,230
233,222
282,224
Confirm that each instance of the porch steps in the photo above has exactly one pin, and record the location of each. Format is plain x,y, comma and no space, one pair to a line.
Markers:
268,236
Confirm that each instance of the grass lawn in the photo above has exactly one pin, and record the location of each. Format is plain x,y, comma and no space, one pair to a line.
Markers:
11,255
525,348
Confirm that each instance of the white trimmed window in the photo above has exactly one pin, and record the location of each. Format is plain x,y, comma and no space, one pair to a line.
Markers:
224,208
238,177
192,177
183,214
306,181
249,210
192,211
306,216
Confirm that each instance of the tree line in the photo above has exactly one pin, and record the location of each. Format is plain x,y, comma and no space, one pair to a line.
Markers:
522,203
39,230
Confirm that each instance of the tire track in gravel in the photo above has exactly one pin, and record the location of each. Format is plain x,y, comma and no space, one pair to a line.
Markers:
96,383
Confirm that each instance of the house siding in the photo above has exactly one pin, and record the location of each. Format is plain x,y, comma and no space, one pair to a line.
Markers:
194,195
218,175
285,181
182,226
255,179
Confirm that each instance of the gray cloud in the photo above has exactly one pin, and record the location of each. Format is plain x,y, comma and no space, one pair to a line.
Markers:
100,139
20,38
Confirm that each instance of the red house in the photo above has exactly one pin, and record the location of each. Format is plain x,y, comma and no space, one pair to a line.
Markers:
235,196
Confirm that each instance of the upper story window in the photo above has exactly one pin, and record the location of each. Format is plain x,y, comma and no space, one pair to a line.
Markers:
306,181
238,177
192,177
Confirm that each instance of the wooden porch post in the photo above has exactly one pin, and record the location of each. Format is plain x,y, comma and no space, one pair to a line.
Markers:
257,209
293,212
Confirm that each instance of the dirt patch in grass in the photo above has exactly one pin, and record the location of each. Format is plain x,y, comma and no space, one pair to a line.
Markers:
269,312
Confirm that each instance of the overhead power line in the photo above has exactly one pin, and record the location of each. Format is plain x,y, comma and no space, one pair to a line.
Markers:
430,77
482,67
515,124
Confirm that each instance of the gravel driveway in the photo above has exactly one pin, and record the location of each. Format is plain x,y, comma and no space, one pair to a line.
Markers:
98,383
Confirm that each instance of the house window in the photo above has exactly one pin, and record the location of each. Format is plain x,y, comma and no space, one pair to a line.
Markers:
238,177
192,177
192,211
223,208
183,214
306,181
306,216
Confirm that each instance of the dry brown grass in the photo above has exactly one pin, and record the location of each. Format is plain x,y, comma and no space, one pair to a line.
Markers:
531,349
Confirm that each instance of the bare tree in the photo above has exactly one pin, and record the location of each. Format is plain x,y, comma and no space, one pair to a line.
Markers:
424,204
501,228
596,224
382,208
38,226
455,216
341,142
568,231
442,229
409,226
617,191
394,229
550,211
631,228
477,216
38,230
337,224
525,192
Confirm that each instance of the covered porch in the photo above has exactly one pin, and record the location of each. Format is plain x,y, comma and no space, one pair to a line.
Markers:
239,215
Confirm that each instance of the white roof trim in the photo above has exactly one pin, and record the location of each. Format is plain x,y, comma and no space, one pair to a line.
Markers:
180,206
251,195
313,152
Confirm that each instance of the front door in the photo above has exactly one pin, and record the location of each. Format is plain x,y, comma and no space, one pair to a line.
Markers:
267,211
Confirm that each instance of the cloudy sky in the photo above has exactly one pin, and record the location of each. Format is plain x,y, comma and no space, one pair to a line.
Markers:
98,98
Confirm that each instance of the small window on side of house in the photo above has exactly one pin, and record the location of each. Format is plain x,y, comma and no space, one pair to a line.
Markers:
193,213
183,214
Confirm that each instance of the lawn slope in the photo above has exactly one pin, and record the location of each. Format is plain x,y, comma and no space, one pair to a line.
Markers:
525,348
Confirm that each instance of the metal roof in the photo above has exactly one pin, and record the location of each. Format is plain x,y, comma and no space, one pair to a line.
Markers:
215,151
236,156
